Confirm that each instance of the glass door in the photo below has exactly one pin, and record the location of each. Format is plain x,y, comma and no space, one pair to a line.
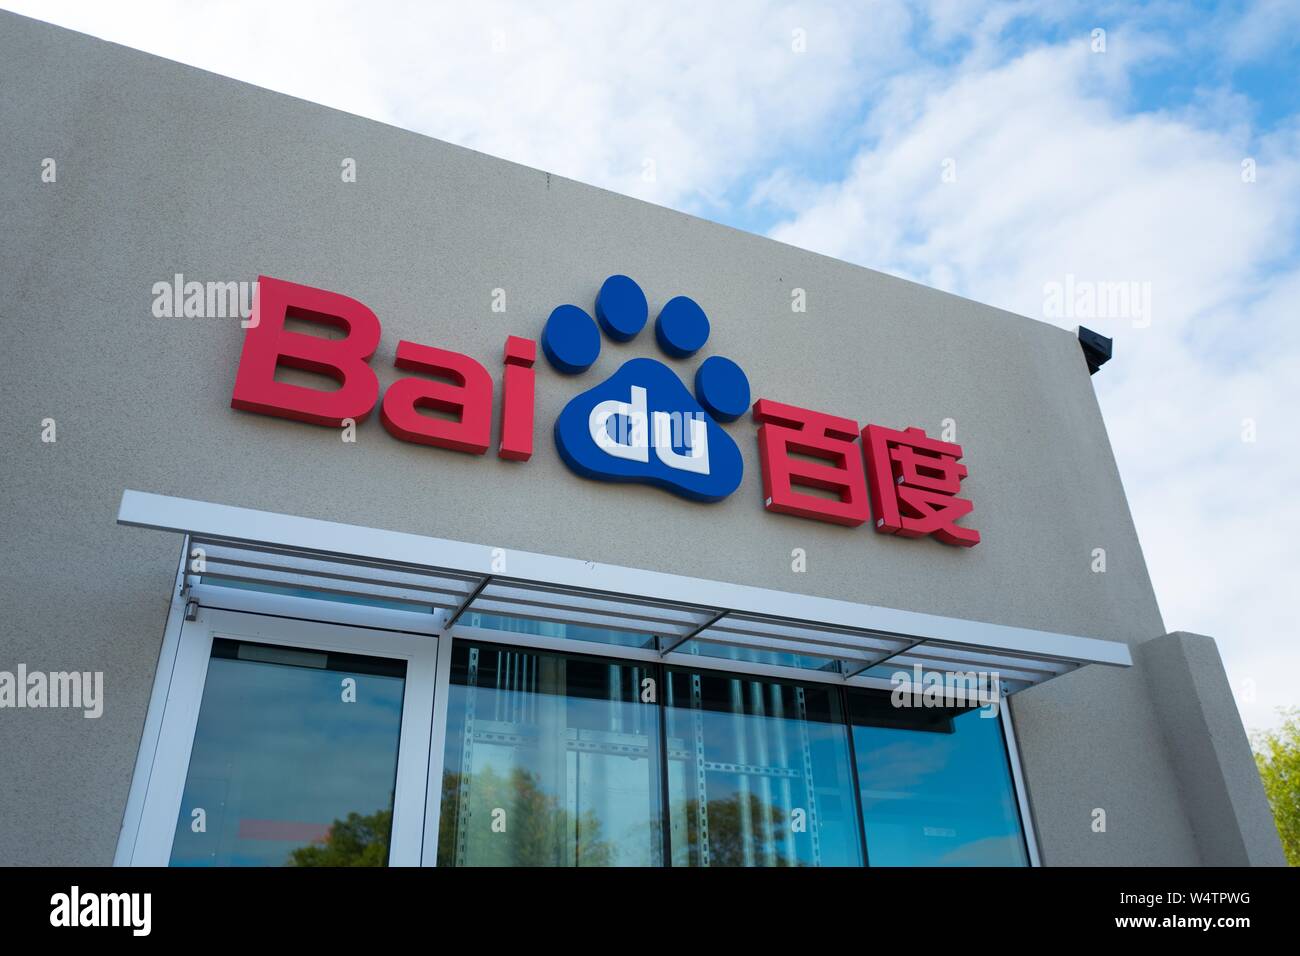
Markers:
759,773
291,743
551,760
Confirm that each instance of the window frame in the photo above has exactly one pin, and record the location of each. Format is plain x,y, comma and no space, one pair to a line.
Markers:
149,823
421,637
694,662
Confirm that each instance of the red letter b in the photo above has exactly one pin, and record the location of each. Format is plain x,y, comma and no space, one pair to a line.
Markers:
267,344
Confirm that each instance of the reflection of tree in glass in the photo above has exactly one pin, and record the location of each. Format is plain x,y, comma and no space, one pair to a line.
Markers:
357,841
727,835
538,831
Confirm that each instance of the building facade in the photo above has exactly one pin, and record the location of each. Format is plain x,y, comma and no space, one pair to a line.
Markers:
518,522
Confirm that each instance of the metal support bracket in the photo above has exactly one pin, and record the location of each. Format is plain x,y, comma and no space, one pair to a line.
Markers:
464,605
686,637
880,660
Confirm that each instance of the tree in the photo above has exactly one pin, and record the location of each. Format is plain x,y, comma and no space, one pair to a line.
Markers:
768,832
357,841
535,830
1277,752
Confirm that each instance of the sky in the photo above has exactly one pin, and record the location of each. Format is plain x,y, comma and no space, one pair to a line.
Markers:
1022,154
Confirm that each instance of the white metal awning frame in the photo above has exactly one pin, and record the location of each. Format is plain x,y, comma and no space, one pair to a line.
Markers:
454,578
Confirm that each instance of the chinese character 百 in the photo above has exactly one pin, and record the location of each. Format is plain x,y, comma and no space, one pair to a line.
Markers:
785,429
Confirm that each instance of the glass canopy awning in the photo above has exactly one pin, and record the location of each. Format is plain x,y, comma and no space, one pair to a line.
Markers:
453,579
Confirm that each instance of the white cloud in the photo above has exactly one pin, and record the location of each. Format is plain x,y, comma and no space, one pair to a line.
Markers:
1262,28
1054,177
708,92
1054,180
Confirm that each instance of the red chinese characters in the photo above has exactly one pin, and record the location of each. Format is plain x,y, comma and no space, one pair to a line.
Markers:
914,483
784,429
912,480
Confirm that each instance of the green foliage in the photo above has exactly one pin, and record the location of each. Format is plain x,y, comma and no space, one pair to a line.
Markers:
357,841
538,830
1277,752
733,827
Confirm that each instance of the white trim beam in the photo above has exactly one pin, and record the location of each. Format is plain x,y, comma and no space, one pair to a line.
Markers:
804,620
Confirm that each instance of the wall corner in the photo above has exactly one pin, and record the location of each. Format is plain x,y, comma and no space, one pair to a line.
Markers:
1222,794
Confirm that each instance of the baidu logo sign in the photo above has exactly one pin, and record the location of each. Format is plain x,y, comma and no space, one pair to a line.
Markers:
642,424
619,429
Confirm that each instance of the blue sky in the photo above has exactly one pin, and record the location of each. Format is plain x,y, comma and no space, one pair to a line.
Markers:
1192,53
987,148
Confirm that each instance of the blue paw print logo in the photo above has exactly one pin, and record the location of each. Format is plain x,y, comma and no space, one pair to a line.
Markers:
642,424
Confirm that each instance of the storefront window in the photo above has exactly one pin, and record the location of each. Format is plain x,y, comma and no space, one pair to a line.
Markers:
556,760
758,773
935,786
294,760
550,761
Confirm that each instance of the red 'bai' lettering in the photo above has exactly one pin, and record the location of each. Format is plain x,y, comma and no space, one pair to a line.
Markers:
461,386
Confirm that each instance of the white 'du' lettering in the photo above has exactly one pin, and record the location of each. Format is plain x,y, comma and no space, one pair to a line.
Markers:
633,414
632,420
697,460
